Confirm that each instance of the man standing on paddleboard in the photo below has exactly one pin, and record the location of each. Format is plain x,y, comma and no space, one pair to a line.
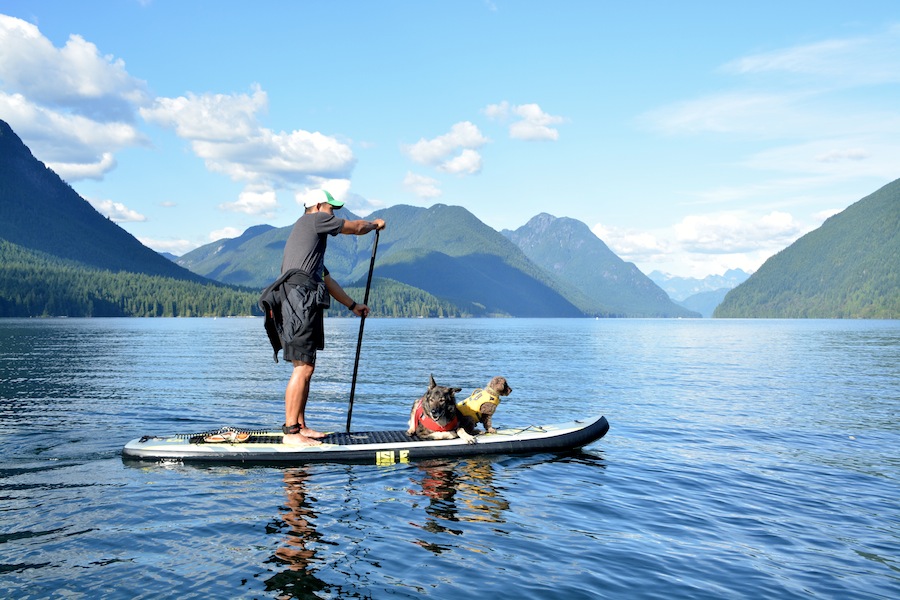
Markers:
294,304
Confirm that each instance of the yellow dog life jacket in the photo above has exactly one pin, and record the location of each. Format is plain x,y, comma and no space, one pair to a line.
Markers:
471,405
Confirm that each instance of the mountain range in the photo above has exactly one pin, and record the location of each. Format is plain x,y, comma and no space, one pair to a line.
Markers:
700,295
58,252
548,267
59,256
680,289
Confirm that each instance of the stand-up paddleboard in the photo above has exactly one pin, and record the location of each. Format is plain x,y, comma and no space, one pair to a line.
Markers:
232,445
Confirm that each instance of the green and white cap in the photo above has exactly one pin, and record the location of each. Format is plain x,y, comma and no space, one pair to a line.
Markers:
317,198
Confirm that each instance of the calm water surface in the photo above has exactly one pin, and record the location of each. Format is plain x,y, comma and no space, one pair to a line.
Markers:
745,459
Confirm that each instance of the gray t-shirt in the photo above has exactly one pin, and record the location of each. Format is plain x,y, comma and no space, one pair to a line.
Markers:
305,247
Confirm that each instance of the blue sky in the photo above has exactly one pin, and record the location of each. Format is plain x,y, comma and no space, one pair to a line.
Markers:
692,137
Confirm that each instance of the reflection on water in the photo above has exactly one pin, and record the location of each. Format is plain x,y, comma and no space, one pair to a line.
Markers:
479,494
455,491
296,552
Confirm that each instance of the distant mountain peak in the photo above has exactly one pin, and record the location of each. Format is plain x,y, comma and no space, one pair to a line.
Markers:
252,232
609,286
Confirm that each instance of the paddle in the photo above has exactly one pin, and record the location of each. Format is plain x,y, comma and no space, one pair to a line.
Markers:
362,323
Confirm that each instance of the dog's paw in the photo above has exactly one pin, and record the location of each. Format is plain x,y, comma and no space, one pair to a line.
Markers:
470,439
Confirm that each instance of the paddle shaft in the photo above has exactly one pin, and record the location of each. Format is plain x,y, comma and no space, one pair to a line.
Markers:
362,324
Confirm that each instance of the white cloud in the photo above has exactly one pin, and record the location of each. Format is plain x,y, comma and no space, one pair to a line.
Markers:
209,117
533,124
468,162
224,132
78,171
823,215
74,78
847,154
116,211
707,243
735,232
254,202
226,233
632,245
498,111
176,247
421,186
74,146
835,158
798,92
757,114
823,105
80,108
454,152
842,62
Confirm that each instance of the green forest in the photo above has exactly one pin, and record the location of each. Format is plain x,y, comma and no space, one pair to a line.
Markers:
389,298
39,285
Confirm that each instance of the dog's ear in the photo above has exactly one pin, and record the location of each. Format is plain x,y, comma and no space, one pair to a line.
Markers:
456,390
431,383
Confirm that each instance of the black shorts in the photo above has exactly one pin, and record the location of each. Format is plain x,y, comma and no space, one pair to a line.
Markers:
304,325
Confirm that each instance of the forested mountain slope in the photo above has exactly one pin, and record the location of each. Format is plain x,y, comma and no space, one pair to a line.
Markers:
847,268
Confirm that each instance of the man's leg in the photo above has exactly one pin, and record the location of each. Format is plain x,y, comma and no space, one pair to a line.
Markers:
295,396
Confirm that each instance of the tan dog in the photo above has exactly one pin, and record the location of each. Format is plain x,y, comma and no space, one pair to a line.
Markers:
480,406
434,416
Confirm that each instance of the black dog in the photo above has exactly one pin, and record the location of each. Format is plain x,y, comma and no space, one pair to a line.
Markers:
434,416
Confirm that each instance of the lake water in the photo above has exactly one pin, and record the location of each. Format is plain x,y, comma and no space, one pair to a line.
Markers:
745,459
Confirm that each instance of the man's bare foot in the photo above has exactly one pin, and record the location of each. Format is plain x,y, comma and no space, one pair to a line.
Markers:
312,433
296,439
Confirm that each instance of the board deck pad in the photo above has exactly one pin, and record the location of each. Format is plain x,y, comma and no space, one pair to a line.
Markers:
235,445
336,438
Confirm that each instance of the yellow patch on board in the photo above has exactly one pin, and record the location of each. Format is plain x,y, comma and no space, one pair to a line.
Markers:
389,457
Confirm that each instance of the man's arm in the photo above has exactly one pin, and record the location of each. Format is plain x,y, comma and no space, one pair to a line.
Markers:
338,293
362,227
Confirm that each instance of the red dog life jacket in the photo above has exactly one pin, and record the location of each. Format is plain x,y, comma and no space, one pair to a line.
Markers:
433,425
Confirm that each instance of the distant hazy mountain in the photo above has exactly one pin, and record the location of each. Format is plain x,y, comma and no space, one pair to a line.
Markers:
705,303
847,268
41,212
568,249
681,288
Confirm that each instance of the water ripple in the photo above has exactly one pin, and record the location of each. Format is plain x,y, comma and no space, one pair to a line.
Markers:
746,459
